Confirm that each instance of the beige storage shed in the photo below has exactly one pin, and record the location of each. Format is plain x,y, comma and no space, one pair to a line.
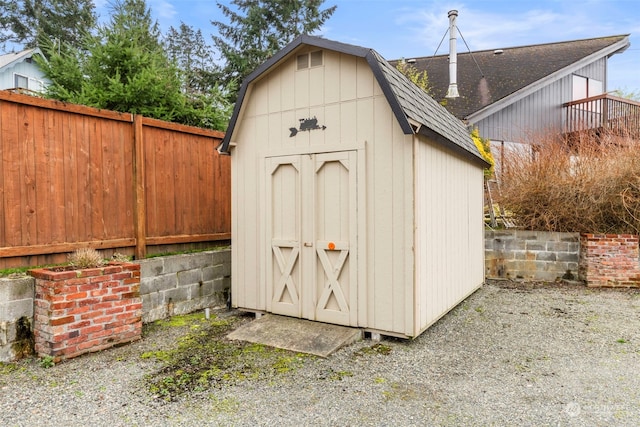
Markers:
357,199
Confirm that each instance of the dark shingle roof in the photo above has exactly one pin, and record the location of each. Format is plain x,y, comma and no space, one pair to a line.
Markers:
511,70
408,102
421,108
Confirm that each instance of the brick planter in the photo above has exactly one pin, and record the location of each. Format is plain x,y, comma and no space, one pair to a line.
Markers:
82,311
610,260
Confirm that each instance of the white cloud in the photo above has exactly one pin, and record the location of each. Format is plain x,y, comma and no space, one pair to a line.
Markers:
515,24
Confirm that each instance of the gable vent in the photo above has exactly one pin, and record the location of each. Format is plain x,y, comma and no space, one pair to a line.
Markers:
309,60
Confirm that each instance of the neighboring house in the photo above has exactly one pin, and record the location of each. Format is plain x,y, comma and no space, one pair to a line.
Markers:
20,72
356,198
518,94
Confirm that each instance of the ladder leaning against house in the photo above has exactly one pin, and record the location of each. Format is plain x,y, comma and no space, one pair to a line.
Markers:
494,210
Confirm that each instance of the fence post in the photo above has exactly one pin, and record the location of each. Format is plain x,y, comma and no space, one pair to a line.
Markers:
140,214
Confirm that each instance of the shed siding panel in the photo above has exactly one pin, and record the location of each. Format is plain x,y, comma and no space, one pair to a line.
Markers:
390,222
246,271
332,76
539,113
449,242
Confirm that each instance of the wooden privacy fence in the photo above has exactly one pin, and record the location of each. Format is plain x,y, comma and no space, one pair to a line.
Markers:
73,176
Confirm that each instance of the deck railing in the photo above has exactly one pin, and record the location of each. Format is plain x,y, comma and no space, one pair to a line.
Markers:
618,116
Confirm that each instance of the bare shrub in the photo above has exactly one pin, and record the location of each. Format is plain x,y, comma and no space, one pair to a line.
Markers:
85,258
587,184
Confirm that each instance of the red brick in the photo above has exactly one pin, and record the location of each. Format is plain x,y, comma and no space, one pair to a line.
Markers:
123,330
121,276
81,323
131,295
78,281
131,281
135,306
137,319
99,292
114,324
122,302
114,310
112,269
125,315
104,305
75,341
56,298
50,275
62,320
91,272
91,329
89,287
76,296
89,302
102,280
102,320
89,344
78,310
102,333
63,305
92,314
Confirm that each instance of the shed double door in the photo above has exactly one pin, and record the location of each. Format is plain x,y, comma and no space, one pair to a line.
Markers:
311,228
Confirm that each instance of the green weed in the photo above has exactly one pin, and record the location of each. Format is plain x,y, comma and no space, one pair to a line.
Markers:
47,362
378,348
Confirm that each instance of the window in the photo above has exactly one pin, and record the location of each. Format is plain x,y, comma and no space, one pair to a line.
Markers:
584,87
21,81
308,60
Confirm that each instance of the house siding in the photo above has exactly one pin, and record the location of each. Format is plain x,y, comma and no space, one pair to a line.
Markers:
540,113
27,69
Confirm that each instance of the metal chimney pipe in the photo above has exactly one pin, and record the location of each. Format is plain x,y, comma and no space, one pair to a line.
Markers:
452,92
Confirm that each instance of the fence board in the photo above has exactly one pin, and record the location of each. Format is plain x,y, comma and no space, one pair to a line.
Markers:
11,167
57,165
3,124
73,176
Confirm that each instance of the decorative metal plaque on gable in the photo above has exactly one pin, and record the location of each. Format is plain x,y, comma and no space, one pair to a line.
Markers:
306,125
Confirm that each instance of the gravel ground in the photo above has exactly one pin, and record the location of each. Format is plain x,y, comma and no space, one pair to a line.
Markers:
511,354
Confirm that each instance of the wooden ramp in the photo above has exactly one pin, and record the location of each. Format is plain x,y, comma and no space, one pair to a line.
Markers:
289,333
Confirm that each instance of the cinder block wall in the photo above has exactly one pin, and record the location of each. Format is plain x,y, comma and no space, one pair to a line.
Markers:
16,317
182,284
533,255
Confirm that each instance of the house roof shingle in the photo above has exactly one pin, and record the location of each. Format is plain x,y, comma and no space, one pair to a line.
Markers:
488,76
409,103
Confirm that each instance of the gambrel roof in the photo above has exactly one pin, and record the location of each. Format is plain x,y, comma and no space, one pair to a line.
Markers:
415,111
489,80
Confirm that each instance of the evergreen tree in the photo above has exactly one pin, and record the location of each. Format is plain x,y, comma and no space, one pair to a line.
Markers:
257,29
199,75
25,22
124,68
187,49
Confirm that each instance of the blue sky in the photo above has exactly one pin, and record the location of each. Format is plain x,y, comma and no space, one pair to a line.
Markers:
411,28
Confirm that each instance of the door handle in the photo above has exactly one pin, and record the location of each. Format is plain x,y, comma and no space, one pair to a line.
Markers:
308,244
